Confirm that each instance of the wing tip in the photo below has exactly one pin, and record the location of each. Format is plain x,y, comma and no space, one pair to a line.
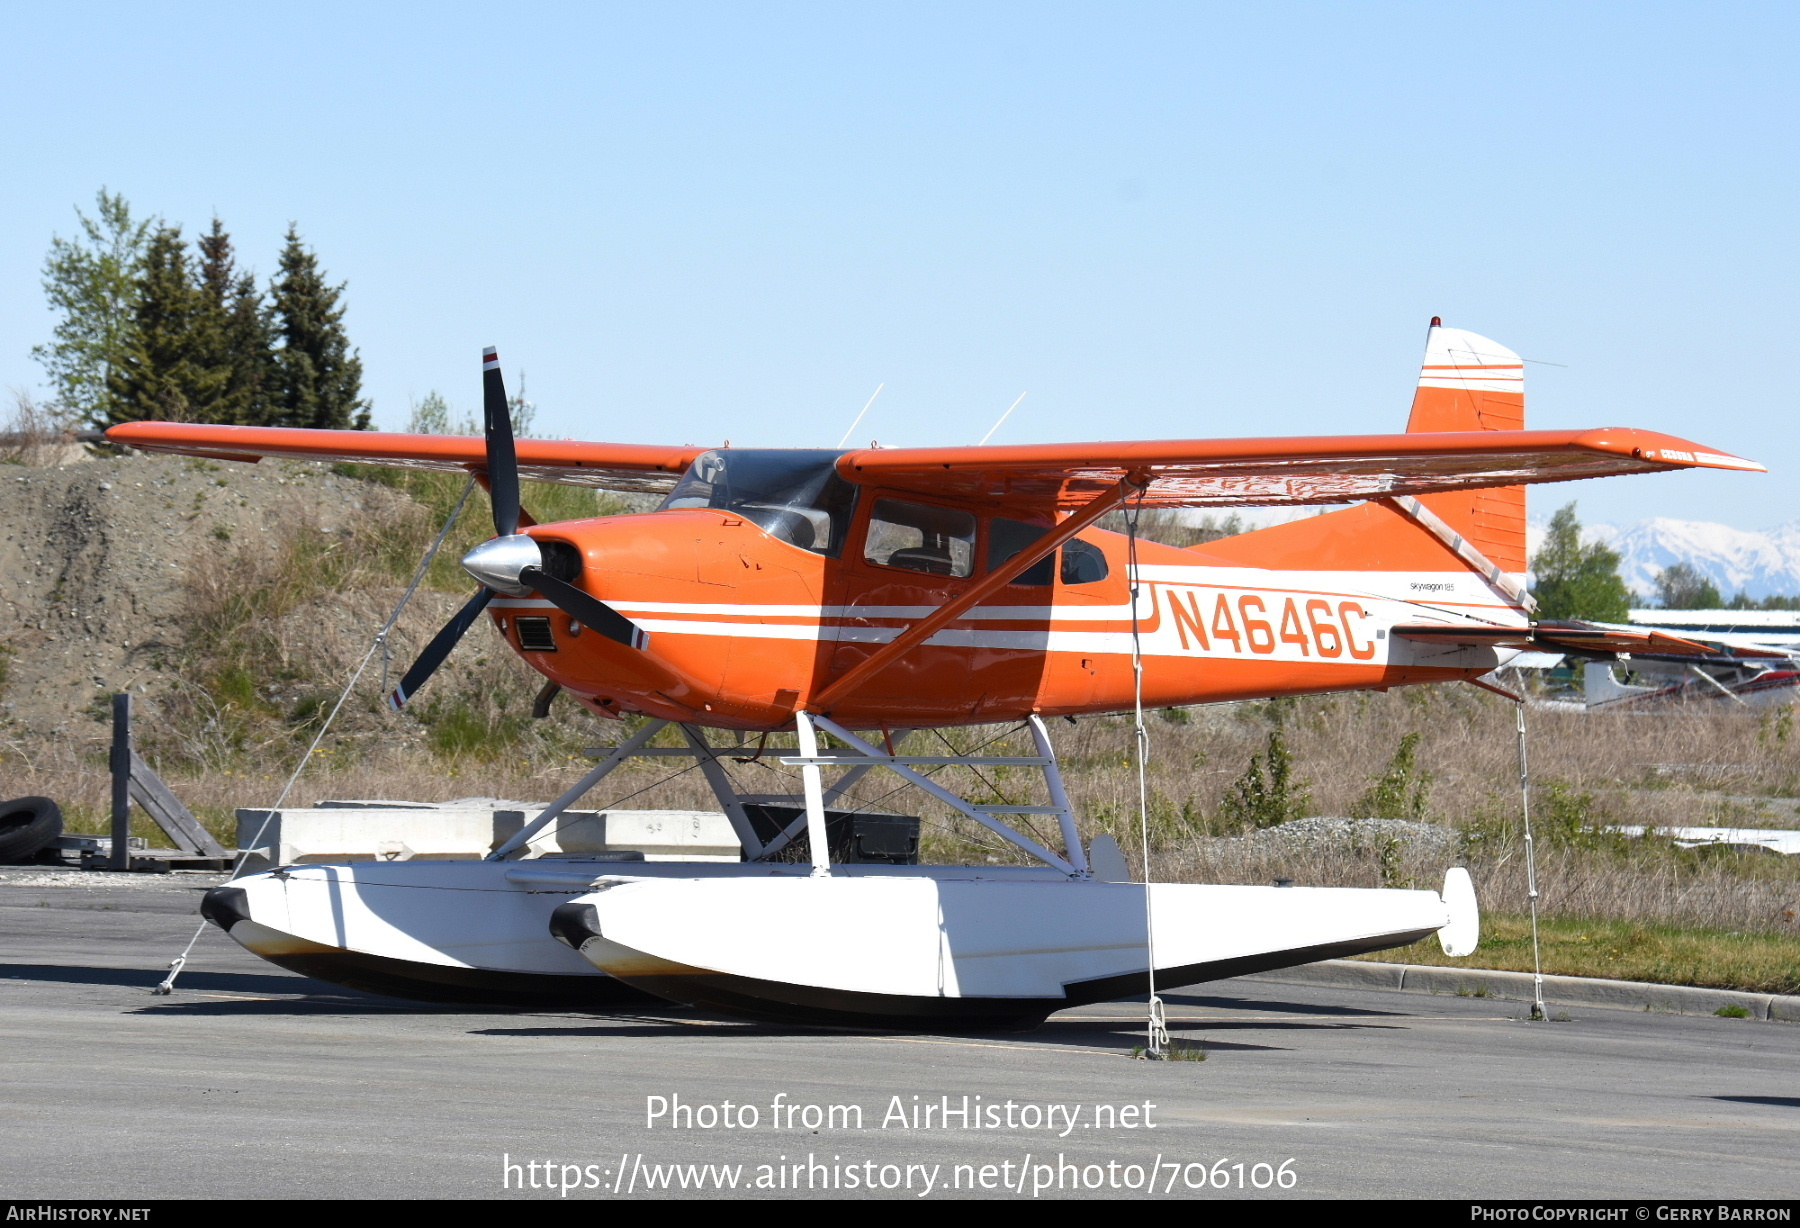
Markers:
1695,458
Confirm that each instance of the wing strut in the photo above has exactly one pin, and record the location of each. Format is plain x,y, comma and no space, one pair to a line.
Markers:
1462,547
990,584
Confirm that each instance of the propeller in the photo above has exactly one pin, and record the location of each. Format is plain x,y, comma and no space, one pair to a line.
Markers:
502,458
510,562
439,648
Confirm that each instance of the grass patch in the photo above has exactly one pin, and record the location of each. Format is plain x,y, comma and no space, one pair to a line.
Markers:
1624,951
459,729
1733,1011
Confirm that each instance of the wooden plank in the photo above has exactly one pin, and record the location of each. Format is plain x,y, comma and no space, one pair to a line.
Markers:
176,820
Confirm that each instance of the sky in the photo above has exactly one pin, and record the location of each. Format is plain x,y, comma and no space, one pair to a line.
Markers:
686,223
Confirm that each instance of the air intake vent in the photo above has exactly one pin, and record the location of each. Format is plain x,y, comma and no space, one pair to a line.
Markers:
561,559
534,635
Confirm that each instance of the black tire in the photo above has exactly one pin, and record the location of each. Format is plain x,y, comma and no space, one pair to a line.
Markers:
27,824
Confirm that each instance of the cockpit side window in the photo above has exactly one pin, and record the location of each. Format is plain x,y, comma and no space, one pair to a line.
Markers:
938,541
793,494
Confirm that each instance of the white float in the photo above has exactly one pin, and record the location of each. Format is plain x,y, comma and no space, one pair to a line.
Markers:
954,946
870,943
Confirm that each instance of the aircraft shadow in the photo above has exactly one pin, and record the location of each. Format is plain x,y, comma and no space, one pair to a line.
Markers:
312,1004
144,978
637,1025
1780,1102
341,1000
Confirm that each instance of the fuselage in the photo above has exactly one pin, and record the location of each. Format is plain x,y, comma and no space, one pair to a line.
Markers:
748,618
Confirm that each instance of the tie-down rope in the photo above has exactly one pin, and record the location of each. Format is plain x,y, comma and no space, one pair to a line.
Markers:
1531,887
380,642
1156,1029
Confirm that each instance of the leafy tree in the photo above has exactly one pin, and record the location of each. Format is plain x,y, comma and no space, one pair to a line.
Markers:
431,415
1576,580
524,413
235,331
1267,793
1402,791
317,376
91,283
1680,587
167,371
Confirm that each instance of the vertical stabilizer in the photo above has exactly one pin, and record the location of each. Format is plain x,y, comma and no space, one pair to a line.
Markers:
1468,383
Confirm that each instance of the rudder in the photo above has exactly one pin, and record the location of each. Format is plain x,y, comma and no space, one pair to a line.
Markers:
1469,383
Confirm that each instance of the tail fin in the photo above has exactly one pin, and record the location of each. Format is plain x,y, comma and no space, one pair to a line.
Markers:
1468,383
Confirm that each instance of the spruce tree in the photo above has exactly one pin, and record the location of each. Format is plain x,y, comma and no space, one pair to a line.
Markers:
1576,580
317,376
235,331
167,371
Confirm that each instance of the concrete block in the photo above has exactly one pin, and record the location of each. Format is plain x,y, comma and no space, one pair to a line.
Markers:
301,835
660,835
307,834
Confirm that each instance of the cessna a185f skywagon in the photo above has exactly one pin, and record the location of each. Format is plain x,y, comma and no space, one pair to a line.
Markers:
868,594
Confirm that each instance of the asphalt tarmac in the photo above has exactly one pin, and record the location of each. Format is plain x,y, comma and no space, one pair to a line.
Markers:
251,1082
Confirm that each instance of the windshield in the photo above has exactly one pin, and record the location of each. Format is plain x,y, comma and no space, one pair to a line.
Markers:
792,493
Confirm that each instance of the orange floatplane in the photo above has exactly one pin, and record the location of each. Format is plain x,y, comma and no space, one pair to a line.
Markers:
868,593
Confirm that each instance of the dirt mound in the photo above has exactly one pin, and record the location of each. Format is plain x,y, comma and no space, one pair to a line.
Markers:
99,558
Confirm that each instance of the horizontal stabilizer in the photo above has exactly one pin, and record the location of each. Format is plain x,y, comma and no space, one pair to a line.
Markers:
1569,637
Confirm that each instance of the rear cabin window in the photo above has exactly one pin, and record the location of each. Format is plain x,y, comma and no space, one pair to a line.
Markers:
938,541
1081,563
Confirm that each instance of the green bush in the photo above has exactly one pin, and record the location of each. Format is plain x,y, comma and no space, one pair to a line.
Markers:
1267,793
1401,791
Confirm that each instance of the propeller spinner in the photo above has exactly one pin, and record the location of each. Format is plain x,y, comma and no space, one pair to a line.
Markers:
510,562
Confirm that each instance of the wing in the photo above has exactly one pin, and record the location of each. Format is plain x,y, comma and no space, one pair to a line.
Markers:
1181,473
1268,472
615,466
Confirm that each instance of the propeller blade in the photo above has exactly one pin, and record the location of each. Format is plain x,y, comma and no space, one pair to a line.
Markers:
502,460
587,610
439,648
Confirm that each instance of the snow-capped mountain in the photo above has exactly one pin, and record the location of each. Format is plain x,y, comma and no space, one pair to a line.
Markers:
1760,563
